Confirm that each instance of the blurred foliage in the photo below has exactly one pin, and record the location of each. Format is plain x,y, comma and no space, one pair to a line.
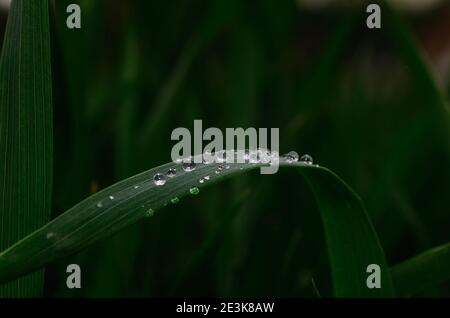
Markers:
362,102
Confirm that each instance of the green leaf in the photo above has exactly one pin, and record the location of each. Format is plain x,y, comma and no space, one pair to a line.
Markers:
428,269
25,131
352,242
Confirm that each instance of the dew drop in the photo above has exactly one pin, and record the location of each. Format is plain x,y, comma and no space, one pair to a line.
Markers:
307,159
175,200
206,178
188,166
219,169
202,180
99,205
136,187
291,157
111,197
172,172
194,190
159,179
149,213
49,235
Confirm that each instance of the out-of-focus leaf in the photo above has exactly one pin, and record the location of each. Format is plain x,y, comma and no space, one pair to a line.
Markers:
425,270
25,132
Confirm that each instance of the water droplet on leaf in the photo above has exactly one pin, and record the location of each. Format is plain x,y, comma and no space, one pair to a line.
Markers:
194,190
307,159
172,172
291,157
189,166
159,179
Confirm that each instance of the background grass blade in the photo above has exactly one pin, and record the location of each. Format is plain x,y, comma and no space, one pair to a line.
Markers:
425,270
25,132
352,241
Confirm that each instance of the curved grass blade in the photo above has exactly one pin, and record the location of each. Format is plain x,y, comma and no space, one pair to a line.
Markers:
352,242
422,271
25,132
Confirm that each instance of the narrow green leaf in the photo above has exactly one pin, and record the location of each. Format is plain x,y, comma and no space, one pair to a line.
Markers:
426,270
25,131
352,242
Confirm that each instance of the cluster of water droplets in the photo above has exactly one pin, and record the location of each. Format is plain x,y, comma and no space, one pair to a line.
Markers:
258,156
293,156
205,178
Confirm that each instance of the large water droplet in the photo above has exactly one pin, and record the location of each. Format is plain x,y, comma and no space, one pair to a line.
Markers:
194,190
159,179
188,166
307,159
291,156
172,172
149,213
175,200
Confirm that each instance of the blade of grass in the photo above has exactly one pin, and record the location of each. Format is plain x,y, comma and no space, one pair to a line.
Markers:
425,270
351,239
25,132
352,242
